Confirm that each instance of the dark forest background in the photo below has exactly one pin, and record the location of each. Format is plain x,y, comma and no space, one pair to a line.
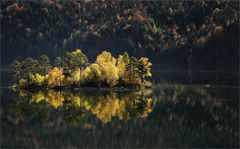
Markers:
200,34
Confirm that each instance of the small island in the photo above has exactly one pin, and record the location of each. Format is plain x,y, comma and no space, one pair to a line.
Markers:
74,71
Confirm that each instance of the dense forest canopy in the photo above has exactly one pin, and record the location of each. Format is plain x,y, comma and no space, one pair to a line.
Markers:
201,33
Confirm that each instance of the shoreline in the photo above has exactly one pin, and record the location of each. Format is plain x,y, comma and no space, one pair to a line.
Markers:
84,88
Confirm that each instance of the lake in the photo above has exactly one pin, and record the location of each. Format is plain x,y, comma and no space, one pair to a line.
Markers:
176,112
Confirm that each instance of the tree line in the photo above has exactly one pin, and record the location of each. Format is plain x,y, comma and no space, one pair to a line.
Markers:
74,70
151,28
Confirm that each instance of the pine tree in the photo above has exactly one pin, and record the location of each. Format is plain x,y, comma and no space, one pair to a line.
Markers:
57,62
16,67
44,65
74,60
29,67
132,72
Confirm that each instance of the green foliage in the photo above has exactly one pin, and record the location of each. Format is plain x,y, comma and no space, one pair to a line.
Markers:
57,62
132,72
16,67
74,60
44,65
27,67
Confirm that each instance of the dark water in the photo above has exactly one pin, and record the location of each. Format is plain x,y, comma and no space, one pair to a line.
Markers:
175,113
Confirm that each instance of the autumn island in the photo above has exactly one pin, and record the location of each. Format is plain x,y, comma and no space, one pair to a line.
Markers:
74,71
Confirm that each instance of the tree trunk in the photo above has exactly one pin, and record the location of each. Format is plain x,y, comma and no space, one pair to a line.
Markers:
29,81
142,82
81,69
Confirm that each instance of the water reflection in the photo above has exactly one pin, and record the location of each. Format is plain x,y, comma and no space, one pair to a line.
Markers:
166,116
208,119
74,106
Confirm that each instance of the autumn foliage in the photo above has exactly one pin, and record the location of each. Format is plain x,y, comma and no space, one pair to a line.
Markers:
74,70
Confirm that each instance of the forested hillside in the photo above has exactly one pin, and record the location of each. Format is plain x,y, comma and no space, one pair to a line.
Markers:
200,33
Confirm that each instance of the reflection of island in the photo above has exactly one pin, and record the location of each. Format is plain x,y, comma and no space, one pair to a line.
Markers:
104,106
174,116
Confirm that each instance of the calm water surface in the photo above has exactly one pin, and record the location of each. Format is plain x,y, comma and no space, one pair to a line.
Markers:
169,115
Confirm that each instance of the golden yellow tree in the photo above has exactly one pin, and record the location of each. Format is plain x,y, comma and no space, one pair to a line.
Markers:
122,62
37,79
144,66
55,77
73,78
105,57
109,74
121,66
109,70
92,74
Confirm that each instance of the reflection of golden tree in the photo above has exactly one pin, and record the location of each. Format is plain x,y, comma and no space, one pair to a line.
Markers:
109,106
104,107
52,97
55,99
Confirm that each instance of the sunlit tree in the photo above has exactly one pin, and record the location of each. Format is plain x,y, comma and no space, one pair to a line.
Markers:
92,74
109,73
122,62
55,77
144,68
73,78
109,70
37,79
105,57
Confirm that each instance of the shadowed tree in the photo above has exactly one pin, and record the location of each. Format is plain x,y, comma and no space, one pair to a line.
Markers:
16,68
132,72
29,67
144,69
44,65
74,60
57,62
